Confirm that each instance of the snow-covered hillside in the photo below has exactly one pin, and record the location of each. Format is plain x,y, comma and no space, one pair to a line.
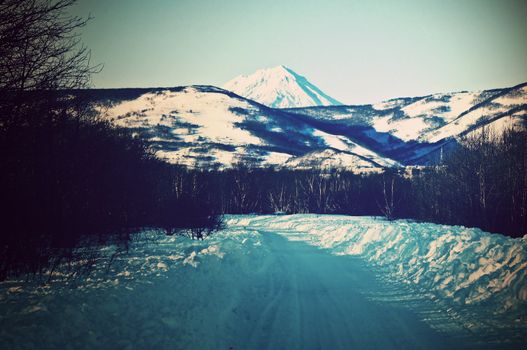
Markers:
279,87
410,130
205,126
358,283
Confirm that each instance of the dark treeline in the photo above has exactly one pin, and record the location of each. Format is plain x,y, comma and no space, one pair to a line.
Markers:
65,179
483,183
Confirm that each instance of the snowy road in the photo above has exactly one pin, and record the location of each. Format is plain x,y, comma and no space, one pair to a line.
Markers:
248,287
314,300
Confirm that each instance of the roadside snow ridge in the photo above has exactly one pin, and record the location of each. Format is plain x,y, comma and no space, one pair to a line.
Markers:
464,265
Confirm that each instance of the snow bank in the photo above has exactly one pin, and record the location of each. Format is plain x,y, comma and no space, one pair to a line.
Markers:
150,255
466,265
164,293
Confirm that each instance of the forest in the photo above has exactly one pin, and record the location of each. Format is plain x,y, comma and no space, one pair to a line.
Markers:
482,183
71,179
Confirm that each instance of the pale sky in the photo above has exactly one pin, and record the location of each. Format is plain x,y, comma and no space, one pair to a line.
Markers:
355,51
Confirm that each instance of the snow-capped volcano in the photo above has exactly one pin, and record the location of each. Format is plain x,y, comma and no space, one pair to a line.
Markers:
279,87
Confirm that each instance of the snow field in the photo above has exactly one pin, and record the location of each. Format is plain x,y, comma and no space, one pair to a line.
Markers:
166,292
256,284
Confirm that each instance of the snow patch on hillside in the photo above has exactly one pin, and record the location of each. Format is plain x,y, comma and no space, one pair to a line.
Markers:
344,144
329,159
488,111
208,112
404,129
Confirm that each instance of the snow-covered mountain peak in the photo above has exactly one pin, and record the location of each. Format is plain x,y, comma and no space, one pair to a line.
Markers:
279,87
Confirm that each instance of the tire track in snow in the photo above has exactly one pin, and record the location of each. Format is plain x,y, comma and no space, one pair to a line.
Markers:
317,304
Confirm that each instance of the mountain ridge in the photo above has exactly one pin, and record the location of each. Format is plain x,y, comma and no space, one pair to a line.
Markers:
209,127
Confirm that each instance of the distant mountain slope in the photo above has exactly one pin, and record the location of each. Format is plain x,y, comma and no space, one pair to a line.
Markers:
205,126
411,129
279,87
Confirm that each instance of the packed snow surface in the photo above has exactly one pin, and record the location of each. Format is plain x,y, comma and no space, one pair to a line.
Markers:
466,265
291,282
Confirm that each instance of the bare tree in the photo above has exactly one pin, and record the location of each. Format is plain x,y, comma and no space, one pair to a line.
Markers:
388,205
280,200
40,47
40,53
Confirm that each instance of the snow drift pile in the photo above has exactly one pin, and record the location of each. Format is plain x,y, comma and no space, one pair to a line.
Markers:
466,265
